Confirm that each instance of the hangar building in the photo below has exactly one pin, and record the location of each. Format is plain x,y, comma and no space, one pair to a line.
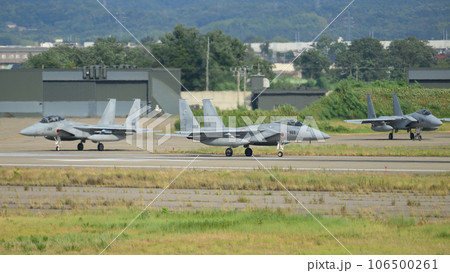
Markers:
85,92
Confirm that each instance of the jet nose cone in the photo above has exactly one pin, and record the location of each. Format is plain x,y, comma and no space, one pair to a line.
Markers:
29,131
325,136
435,122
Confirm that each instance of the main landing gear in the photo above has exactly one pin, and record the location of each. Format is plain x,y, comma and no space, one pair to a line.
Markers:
391,136
100,147
249,151
80,146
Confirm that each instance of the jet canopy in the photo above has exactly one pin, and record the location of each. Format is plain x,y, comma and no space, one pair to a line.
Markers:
424,112
290,122
50,119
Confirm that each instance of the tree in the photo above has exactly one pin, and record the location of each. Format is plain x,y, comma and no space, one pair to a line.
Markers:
365,58
410,52
324,43
106,51
182,48
312,63
58,57
265,51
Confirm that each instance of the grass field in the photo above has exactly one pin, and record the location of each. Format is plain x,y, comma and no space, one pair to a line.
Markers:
214,232
432,184
89,229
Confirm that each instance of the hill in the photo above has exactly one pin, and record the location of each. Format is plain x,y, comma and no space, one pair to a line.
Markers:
79,20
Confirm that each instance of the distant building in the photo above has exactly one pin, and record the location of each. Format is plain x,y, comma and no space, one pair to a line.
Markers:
430,77
299,98
12,55
268,99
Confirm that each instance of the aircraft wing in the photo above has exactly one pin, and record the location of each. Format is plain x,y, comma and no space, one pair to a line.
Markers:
445,119
226,132
104,129
375,120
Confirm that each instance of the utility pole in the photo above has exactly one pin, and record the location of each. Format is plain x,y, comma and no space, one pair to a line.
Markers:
207,67
238,70
245,82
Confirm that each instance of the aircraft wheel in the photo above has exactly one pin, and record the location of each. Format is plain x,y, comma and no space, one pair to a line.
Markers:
100,147
58,148
229,152
391,136
80,147
248,152
411,136
280,154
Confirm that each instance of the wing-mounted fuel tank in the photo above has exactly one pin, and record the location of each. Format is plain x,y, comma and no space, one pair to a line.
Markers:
105,137
381,127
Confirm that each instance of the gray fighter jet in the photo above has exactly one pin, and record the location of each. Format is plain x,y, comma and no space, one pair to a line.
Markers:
419,121
277,133
57,128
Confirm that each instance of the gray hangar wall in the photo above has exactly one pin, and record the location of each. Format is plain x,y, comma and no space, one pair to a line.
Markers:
68,93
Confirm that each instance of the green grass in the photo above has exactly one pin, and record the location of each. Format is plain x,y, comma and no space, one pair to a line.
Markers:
214,232
258,179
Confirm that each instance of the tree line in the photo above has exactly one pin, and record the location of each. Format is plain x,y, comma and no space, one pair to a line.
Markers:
184,48
365,59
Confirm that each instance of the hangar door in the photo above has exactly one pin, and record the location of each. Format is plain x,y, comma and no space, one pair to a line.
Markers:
76,99
123,91
89,98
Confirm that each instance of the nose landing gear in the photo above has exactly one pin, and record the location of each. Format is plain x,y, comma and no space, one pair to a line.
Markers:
280,148
58,143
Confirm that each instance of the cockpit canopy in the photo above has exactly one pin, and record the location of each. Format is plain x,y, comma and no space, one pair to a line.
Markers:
424,112
50,119
290,122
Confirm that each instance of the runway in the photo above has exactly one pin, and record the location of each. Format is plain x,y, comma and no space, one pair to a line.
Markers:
145,160
20,151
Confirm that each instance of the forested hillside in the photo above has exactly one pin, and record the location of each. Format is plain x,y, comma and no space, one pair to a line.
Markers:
254,20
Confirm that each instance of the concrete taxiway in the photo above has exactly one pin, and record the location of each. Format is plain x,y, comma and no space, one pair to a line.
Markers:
216,162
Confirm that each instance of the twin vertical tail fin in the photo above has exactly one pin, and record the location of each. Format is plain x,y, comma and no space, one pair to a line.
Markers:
134,115
397,109
370,109
188,122
211,118
109,115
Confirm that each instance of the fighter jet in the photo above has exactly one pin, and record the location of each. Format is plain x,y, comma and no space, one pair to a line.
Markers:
421,120
57,128
277,133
